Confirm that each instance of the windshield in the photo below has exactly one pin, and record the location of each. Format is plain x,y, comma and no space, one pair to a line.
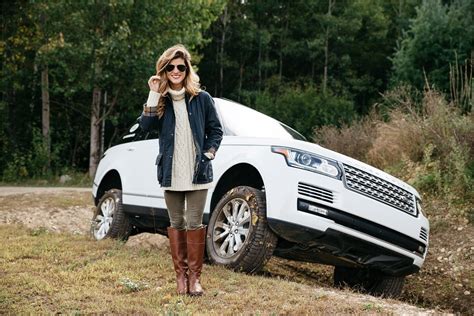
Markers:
240,120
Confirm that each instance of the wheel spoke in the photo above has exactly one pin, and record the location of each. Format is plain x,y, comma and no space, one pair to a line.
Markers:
106,226
231,245
235,210
227,214
243,231
111,208
242,209
221,235
245,218
223,247
101,232
105,208
238,242
222,225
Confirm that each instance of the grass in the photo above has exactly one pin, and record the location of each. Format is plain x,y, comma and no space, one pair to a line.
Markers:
77,179
45,272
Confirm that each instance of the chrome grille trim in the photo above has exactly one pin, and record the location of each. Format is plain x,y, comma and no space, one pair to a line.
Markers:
315,192
379,189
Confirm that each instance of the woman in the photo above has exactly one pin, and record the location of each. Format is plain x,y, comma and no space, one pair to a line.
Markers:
190,134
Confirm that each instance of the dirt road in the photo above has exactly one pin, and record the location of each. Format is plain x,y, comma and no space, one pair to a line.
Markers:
59,209
56,209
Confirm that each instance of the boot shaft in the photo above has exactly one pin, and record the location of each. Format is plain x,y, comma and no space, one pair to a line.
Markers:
196,241
178,249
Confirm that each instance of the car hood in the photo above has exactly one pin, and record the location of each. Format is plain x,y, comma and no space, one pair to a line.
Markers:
319,150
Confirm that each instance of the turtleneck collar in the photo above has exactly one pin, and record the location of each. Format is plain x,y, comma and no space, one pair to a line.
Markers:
176,95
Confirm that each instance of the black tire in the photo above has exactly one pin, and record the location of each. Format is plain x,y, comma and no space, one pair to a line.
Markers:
369,281
259,242
118,226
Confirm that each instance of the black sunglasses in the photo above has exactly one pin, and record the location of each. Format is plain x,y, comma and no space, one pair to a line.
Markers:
170,67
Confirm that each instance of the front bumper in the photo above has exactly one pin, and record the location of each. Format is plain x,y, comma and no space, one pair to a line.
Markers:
337,248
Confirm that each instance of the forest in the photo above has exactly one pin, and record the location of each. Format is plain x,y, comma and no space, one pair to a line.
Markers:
74,73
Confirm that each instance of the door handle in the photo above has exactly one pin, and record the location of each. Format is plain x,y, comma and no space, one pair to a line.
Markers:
130,148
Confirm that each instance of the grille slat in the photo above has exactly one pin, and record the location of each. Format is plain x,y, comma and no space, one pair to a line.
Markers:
315,192
379,189
310,190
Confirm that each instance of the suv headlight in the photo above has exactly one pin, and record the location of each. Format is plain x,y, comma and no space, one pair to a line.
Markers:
309,161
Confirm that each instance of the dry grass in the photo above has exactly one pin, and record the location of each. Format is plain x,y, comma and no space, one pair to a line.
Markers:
427,143
46,272
354,140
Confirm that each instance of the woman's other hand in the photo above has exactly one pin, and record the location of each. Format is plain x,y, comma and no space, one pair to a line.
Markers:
154,83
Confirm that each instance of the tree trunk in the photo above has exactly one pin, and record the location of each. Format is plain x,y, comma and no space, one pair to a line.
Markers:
326,48
224,19
45,114
102,130
241,74
95,132
282,39
259,62
216,84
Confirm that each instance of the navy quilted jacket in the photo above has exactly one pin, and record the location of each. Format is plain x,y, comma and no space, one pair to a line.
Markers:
206,129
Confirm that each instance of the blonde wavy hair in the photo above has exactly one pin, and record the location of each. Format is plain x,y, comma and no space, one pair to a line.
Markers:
191,81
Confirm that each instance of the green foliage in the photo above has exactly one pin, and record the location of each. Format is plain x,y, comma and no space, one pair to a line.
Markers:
109,45
29,164
324,67
305,107
262,40
438,37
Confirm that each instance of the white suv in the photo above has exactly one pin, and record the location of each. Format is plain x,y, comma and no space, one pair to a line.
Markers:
275,193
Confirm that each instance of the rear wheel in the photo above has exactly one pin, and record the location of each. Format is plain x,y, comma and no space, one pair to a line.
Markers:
369,281
238,234
110,220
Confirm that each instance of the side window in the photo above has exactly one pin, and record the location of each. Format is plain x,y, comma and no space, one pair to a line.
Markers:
135,133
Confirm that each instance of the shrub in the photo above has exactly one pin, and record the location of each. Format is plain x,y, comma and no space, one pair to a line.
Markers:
429,143
354,140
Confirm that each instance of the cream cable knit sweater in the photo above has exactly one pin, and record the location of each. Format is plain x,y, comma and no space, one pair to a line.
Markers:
184,149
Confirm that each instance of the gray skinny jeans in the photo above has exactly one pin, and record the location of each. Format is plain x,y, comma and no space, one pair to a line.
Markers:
185,218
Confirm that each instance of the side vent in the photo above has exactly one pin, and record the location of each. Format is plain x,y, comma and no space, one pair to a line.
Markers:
423,234
315,192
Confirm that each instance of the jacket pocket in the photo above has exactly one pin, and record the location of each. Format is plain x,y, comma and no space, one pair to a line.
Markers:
204,170
159,167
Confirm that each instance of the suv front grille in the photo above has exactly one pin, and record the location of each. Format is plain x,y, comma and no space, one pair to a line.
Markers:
315,192
378,189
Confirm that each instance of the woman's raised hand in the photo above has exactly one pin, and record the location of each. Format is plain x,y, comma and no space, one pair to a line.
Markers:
154,83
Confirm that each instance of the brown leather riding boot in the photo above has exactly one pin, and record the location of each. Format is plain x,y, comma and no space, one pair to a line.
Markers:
178,246
196,244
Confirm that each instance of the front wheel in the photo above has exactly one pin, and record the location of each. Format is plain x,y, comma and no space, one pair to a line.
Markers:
369,281
110,220
238,235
